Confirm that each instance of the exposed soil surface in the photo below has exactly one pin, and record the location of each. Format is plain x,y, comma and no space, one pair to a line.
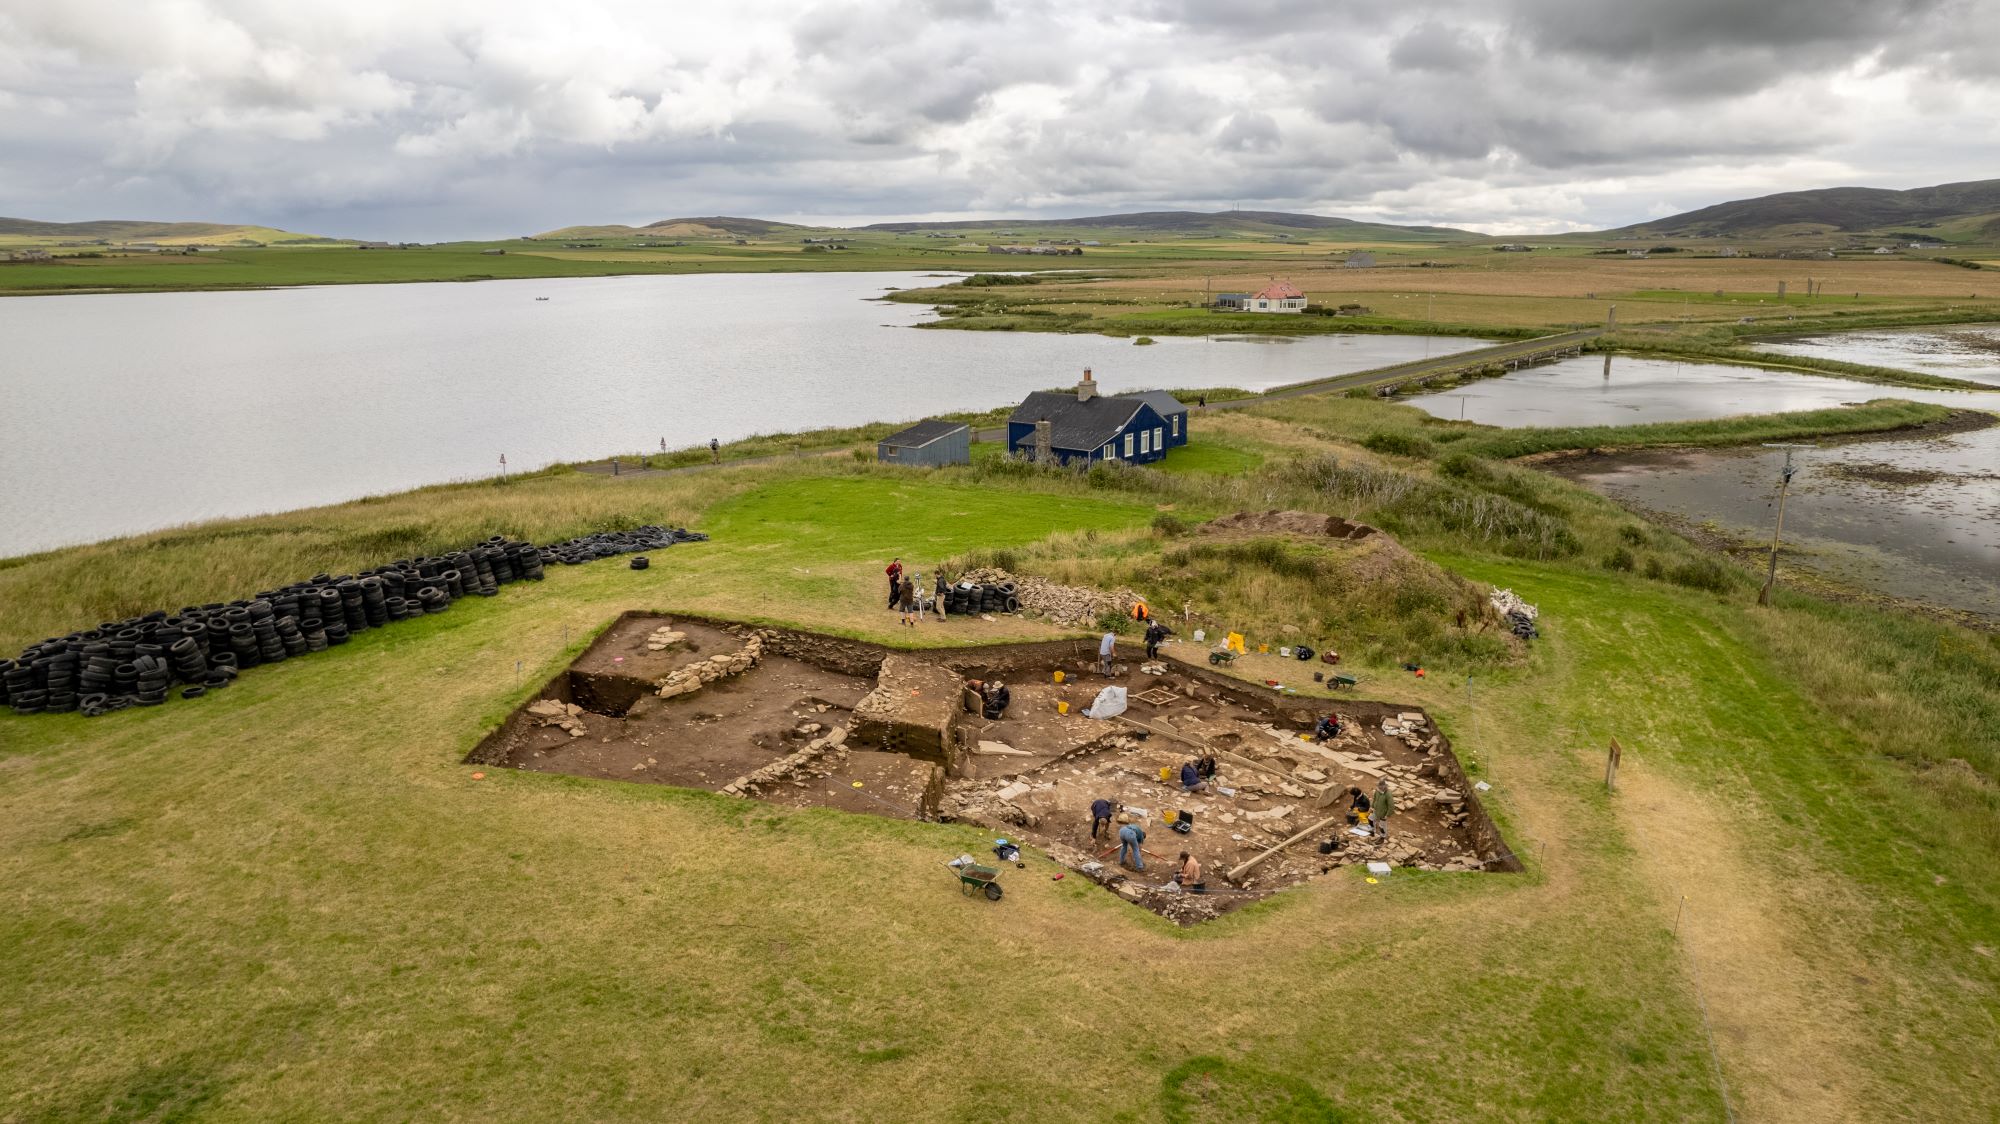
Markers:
806,720
702,740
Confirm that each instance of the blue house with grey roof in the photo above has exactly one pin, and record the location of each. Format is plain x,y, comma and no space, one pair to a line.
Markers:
1085,426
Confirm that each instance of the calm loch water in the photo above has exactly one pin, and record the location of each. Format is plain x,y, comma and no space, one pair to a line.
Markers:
130,412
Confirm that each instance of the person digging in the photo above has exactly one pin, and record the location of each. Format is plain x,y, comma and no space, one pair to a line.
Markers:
1106,648
1155,633
1100,816
1131,839
1327,730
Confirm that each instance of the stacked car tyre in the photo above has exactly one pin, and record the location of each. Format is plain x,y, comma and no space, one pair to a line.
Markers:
138,661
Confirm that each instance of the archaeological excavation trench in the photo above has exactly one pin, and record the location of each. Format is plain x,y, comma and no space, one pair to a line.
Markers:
807,720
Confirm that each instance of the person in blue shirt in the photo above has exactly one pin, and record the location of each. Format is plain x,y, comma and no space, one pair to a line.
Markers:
1100,816
1190,777
1129,839
1105,648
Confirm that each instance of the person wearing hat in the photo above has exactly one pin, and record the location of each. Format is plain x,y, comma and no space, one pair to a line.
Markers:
1381,808
995,698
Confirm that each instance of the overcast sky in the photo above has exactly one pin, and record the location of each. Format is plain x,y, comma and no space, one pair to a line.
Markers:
432,119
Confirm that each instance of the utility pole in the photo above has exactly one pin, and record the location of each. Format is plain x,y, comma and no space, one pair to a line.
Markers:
1784,489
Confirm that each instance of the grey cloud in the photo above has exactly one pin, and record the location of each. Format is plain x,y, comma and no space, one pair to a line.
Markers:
1435,46
437,120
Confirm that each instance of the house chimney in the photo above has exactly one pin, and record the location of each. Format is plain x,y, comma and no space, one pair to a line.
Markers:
1044,442
1087,389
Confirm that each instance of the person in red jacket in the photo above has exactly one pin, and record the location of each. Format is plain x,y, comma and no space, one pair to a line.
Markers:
895,572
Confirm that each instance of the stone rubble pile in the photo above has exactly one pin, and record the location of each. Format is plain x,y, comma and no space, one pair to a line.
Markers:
1060,604
1520,615
550,712
829,749
664,637
697,675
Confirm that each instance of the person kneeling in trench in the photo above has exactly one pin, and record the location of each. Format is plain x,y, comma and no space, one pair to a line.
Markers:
995,699
1189,875
1129,839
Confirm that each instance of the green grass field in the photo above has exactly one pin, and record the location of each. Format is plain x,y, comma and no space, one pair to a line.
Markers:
290,900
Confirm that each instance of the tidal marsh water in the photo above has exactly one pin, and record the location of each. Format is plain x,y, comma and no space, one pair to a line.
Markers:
1971,352
1911,517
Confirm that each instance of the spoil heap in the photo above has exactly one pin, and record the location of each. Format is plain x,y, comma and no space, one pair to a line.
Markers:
1074,606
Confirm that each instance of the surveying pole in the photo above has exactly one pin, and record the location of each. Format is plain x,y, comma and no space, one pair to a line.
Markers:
1784,489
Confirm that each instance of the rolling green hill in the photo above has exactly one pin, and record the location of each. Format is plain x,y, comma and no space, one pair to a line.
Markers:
1174,224
1195,223
711,226
1953,211
118,231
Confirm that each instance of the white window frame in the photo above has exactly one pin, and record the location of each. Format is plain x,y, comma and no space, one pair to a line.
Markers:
1128,446
1111,450
1175,421
1145,442
1159,439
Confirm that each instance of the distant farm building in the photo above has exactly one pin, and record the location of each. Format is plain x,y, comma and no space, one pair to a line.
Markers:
1084,426
997,248
28,255
932,444
1512,248
1360,259
1278,296
1635,253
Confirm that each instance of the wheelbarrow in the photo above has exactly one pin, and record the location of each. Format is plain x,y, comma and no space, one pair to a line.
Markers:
975,879
1338,681
1221,657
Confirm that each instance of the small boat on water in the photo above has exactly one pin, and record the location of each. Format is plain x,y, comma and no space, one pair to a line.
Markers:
541,298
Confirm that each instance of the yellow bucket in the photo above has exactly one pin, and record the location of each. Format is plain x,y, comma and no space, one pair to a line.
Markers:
1166,772
1062,708
1059,676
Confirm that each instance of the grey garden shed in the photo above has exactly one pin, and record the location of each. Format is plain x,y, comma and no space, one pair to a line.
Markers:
929,443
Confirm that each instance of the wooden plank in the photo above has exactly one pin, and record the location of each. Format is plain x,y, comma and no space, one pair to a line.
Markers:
1236,875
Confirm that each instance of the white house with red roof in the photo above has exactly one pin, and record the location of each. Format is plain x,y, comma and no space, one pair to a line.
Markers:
1278,296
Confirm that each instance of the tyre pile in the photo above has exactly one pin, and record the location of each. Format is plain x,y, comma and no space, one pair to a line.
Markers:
605,544
140,661
970,597
1519,615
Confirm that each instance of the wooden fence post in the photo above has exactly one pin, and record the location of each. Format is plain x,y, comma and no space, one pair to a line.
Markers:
1611,765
